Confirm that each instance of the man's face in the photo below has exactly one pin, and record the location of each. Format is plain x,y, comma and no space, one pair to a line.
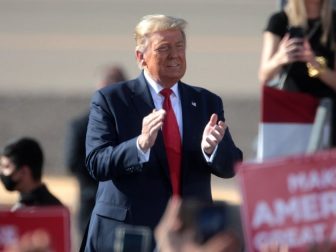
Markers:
6,166
164,58
9,175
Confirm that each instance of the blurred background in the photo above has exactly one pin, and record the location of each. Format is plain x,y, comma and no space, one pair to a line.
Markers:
51,52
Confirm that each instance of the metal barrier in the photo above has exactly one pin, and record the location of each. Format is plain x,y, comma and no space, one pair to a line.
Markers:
321,131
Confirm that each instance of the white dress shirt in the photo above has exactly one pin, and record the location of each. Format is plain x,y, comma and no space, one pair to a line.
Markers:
175,100
158,99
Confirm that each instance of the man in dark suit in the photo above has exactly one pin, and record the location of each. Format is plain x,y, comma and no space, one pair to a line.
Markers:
129,154
75,150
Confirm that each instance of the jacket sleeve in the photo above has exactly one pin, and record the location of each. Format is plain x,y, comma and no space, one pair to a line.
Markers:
107,156
227,154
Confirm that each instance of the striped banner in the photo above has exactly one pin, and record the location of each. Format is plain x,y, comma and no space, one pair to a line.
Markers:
286,123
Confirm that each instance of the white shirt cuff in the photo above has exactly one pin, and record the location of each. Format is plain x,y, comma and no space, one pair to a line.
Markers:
210,159
142,156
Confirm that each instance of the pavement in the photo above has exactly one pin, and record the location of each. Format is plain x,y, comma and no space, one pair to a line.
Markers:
51,51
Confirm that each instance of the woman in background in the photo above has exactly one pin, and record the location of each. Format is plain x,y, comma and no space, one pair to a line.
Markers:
310,59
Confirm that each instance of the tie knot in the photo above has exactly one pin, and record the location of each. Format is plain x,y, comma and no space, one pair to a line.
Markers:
166,92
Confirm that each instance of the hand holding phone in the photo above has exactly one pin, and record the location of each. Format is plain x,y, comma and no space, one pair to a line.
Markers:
295,48
206,220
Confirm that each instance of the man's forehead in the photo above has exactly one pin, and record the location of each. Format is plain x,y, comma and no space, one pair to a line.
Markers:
5,161
171,33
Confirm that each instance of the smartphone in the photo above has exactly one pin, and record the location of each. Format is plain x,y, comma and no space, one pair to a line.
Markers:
130,238
206,219
210,221
296,32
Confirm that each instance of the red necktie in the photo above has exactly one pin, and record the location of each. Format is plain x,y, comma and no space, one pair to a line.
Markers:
172,141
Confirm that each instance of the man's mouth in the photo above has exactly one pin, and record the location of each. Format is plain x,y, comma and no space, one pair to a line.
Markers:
174,65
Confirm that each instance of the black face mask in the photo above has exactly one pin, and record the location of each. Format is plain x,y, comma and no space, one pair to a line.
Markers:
8,182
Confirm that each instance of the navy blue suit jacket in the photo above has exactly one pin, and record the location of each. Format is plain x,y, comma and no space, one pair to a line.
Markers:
135,193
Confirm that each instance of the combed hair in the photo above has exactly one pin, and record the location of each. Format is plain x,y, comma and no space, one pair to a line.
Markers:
297,16
155,23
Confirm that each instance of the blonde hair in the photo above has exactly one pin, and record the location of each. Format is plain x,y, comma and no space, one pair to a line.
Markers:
154,23
297,16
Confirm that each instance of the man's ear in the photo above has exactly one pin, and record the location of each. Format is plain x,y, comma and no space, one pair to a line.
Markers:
26,170
140,58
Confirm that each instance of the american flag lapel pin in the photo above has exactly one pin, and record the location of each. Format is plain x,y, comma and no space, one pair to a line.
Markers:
193,104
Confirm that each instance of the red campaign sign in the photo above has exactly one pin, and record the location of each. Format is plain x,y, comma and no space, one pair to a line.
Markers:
55,221
289,201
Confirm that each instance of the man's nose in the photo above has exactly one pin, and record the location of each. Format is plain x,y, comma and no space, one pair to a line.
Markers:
174,51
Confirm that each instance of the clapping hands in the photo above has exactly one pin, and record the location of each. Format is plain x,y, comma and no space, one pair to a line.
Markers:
213,134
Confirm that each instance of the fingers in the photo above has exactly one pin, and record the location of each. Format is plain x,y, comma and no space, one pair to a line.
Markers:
154,118
213,134
172,211
295,49
170,221
292,49
216,126
224,242
156,121
221,127
151,124
309,54
285,38
216,134
213,119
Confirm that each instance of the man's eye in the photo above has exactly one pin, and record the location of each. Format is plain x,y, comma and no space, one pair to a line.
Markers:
162,49
180,46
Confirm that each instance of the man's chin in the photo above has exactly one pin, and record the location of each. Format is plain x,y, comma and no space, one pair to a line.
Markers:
176,74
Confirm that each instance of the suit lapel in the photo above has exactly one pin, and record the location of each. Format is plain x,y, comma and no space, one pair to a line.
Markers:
141,97
190,117
190,113
143,103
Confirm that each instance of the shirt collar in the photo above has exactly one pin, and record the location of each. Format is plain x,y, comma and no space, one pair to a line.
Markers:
156,87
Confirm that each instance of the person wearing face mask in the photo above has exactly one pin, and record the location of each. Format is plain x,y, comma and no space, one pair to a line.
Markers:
21,168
